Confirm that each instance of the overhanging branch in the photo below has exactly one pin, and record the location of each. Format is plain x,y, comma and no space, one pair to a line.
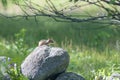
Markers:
32,9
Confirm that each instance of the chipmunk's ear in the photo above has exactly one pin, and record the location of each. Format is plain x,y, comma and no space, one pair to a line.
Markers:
50,40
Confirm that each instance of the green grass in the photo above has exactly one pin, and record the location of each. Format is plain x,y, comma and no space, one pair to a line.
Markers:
87,62
88,34
92,51
91,46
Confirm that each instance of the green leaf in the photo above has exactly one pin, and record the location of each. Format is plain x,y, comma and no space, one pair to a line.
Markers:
112,1
75,0
4,2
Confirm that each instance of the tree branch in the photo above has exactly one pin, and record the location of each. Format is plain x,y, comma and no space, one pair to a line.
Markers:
113,3
32,9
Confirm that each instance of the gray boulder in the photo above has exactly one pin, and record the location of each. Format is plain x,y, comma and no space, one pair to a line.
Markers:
69,76
45,62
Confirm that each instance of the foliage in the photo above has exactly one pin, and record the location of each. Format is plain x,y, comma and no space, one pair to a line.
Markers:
4,2
92,64
21,47
85,34
15,74
10,70
10,67
92,49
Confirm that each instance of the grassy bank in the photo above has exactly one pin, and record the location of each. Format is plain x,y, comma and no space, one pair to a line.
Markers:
88,34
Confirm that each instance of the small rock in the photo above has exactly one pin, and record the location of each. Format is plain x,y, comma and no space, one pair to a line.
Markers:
45,62
115,76
69,76
2,59
3,68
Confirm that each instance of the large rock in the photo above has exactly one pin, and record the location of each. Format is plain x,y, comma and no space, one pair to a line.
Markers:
69,76
45,62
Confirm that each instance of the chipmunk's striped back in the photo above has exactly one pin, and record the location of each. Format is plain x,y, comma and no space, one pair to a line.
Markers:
45,42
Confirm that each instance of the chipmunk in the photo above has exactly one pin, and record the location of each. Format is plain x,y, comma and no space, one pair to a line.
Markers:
45,42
